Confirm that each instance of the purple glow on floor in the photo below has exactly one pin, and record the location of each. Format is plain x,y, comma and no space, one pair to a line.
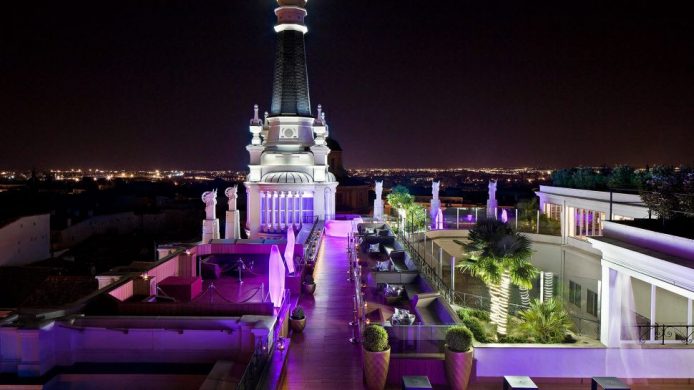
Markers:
289,251
338,228
276,276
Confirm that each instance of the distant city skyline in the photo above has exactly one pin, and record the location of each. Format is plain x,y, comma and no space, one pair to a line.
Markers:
171,85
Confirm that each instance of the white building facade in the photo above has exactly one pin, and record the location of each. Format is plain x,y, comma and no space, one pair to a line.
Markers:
289,182
636,282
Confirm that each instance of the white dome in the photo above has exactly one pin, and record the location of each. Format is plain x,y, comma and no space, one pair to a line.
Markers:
287,177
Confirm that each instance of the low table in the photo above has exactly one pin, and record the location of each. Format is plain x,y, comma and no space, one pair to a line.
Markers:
518,382
608,383
416,383
181,289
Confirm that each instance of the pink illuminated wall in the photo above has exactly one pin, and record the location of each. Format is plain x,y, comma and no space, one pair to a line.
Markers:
123,292
338,228
289,251
276,276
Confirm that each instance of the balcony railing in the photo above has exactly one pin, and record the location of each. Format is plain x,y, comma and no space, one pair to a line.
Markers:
665,334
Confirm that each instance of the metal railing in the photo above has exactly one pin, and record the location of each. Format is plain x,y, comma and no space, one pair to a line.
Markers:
665,334
427,270
254,370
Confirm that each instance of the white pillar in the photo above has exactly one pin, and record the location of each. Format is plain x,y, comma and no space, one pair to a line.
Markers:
290,208
262,207
274,209
268,210
301,207
581,221
254,202
297,221
690,313
594,218
283,209
652,333
610,313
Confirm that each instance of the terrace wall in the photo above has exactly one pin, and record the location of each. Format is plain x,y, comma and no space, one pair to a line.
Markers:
33,352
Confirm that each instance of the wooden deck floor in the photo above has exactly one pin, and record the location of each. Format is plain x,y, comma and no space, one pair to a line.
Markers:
321,357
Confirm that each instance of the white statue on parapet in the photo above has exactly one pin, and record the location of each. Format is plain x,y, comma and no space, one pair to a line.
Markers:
435,204
492,204
379,189
210,225
232,194
232,229
210,200
378,202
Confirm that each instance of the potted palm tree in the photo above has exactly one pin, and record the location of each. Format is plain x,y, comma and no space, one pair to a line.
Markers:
459,355
309,285
297,319
499,256
376,357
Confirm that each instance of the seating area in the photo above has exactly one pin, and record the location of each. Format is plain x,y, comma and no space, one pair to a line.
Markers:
432,309
393,263
397,283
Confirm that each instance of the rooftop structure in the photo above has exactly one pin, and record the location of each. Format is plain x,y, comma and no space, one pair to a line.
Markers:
289,182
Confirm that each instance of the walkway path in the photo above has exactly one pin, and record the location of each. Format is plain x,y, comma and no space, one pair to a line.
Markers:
321,357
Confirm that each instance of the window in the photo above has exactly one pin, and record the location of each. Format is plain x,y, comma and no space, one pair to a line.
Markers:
575,293
592,302
553,211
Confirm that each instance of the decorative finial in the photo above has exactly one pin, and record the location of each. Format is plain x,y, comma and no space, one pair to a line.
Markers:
255,121
321,116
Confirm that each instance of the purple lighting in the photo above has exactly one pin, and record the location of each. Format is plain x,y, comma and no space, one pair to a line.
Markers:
504,216
289,250
439,219
276,276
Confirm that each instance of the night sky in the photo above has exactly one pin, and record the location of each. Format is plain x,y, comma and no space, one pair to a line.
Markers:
171,84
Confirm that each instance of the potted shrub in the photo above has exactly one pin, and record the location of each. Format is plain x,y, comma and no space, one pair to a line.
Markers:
297,319
309,285
376,357
459,355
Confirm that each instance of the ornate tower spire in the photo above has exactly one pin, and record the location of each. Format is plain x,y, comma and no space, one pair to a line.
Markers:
290,95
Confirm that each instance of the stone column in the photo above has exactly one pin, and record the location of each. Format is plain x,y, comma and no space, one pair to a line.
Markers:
268,210
297,220
290,208
610,308
282,209
274,210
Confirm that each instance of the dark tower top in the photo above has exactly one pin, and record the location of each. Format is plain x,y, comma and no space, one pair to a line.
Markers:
290,95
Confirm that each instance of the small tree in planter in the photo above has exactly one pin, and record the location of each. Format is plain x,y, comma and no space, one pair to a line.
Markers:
297,319
459,355
376,357
309,284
